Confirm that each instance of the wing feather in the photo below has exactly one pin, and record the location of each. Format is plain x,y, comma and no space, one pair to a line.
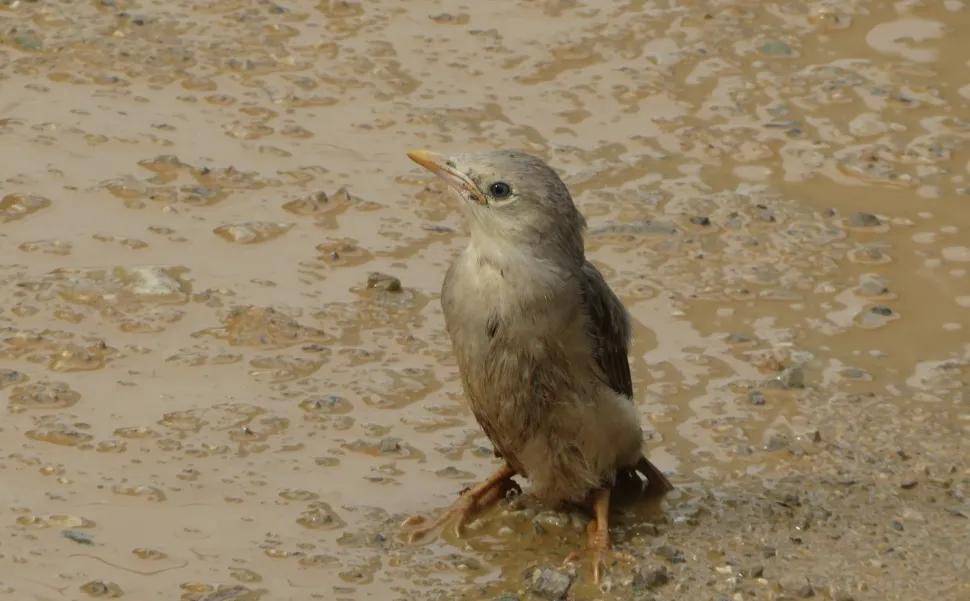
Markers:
609,329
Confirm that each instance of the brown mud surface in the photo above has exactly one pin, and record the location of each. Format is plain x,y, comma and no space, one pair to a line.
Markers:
206,395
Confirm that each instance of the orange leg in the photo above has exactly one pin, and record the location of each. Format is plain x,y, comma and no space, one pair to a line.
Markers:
598,535
598,530
468,504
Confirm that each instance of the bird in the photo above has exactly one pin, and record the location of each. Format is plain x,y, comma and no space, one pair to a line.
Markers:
541,343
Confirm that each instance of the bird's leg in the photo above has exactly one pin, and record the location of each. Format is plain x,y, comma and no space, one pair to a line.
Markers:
598,530
598,533
468,504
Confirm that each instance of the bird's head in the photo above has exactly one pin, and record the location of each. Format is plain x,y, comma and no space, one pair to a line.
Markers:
511,197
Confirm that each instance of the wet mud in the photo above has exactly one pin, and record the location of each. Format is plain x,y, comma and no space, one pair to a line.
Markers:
223,368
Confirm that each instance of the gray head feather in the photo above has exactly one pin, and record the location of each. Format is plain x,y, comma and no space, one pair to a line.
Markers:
537,216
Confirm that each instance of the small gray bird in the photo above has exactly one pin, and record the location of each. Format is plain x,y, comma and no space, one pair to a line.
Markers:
541,342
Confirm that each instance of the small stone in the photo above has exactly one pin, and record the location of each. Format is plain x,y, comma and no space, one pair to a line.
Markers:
873,286
234,593
738,338
881,310
700,220
839,594
382,281
863,220
390,445
789,378
18,206
908,483
854,373
670,554
28,41
867,124
776,48
650,530
252,232
547,583
765,214
776,442
753,571
551,519
756,397
11,376
796,585
78,537
651,577
100,588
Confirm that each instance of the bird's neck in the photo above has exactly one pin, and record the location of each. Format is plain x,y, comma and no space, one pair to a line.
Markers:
513,275
505,250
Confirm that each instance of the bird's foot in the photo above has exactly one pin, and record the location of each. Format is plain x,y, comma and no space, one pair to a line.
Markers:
602,552
418,526
470,503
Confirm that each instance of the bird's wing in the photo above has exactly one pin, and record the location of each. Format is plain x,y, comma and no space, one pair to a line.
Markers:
609,329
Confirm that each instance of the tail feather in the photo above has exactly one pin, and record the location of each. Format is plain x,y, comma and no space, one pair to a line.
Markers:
657,483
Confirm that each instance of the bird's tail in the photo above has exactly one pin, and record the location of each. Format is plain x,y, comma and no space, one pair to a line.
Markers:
657,483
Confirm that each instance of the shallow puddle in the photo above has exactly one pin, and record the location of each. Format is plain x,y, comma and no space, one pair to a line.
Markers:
222,359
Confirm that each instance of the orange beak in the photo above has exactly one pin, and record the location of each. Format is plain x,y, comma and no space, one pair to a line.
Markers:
443,168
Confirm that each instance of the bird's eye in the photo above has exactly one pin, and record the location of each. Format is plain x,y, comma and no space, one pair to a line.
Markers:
500,190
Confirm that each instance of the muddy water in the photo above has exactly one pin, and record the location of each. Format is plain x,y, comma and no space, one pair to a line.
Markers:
207,394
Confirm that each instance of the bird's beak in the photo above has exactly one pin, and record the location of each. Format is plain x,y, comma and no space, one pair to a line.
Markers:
439,165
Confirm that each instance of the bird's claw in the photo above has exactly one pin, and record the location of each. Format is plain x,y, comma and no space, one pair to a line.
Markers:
414,520
419,526
600,547
603,558
471,501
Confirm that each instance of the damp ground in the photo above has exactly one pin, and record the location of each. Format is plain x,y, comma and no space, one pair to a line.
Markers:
223,368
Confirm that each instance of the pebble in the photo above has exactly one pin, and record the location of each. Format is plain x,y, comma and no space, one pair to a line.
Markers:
551,519
738,338
383,281
550,584
854,373
796,585
776,48
233,593
863,220
77,536
390,445
839,594
882,310
252,232
11,376
651,577
100,588
777,442
789,378
867,124
670,553
18,206
873,286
